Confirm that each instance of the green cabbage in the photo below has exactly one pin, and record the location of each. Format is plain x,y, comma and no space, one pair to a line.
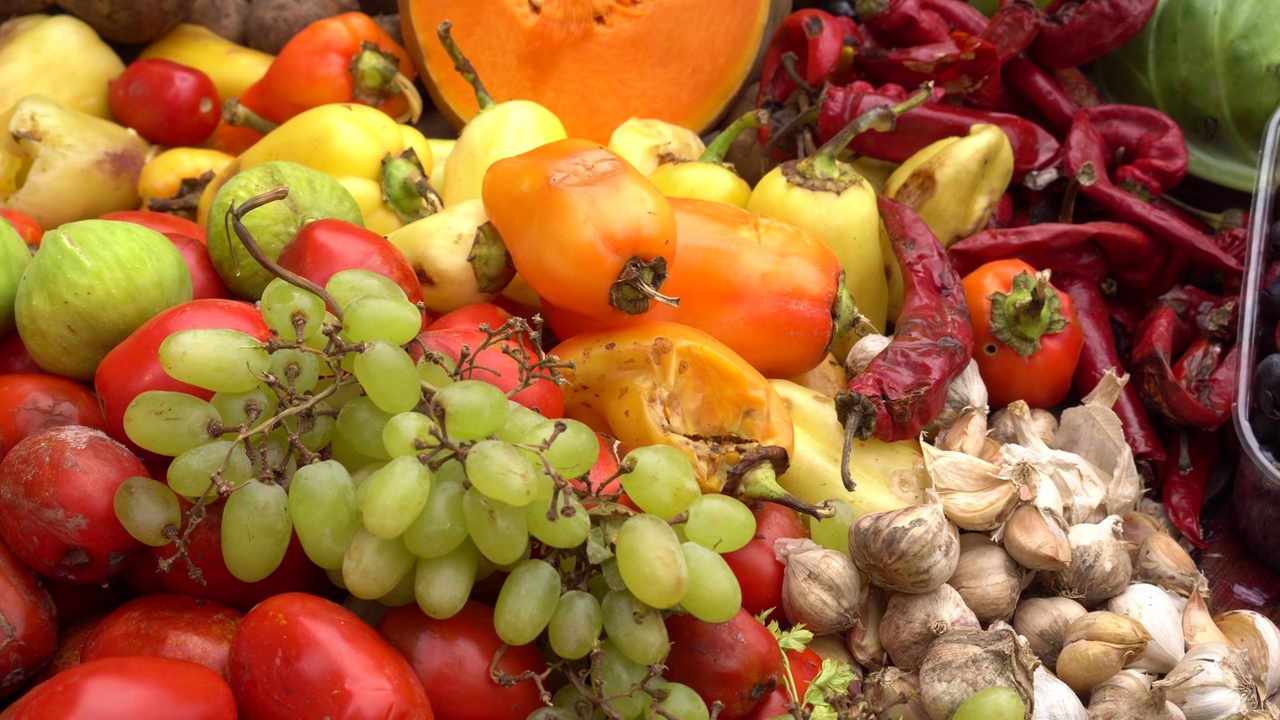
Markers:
1214,67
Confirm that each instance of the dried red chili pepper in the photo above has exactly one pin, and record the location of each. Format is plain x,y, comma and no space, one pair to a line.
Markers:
1033,147
1074,32
1039,87
962,65
958,14
1012,28
901,23
1093,147
1099,355
1183,482
807,45
905,386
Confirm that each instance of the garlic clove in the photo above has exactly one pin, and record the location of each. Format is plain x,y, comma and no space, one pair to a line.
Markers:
962,662
1043,423
1212,682
987,578
1094,431
1108,627
914,620
966,434
1036,538
820,586
976,494
1054,699
1128,695
1160,612
1044,622
1100,567
863,639
1259,637
1136,526
1162,561
832,646
912,549
863,352
1197,622
1085,664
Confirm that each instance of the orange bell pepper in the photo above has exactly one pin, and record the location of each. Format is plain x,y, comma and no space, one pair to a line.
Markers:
655,382
585,229
769,290
341,59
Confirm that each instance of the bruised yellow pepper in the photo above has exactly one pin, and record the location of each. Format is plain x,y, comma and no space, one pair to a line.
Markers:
647,143
347,141
60,57
166,176
232,67
708,177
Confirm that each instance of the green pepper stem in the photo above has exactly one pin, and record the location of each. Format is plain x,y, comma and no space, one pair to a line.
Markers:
719,147
1030,310
638,284
235,113
825,162
463,65
1229,219
755,477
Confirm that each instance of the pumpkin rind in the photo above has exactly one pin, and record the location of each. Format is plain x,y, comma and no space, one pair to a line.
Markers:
594,63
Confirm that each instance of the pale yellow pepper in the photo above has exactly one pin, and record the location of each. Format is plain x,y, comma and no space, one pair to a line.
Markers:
60,57
162,175
647,143
231,66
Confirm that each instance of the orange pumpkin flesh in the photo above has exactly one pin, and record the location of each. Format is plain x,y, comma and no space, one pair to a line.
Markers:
594,63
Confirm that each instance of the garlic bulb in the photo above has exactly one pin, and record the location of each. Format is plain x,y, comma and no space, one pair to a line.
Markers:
1043,422
1213,682
1036,538
967,434
912,549
820,587
962,662
1054,699
1099,567
1259,637
1082,485
1097,646
987,578
965,392
1128,695
863,639
895,693
1043,621
1160,560
863,352
914,620
975,494
1160,612
1093,431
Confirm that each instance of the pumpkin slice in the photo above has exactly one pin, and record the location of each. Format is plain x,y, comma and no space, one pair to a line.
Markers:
594,63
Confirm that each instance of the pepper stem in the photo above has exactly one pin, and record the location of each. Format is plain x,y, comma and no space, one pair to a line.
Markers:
235,113
858,415
825,162
755,477
719,147
376,78
1030,310
638,284
405,188
464,66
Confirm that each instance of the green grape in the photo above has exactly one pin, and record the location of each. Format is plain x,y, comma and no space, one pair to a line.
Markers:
341,449
372,567
571,525
410,433
238,408
620,677
574,450
147,508
659,479
255,530
443,584
169,423
575,625
997,702
519,421
551,713
296,369
283,304
681,703
634,627
347,285
274,452
363,472
190,473
526,602
392,320
470,409
387,374
316,431
441,526
404,593
833,532
721,522
651,560
452,470
322,503
571,699
391,497
498,529
217,359
436,369
713,594
360,426
501,471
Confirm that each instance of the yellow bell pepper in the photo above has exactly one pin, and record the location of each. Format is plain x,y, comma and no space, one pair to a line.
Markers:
440,150
163,174
60,57
344,140
232,67
708,177
647,143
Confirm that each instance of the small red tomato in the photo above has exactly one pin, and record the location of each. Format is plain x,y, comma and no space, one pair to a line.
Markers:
70,641
757,568
128,688
1027,338
804,665
14,357
30,623
205,280
28,229
491,363
166,102
473,316
160,222
737,662
297,655
175,626
323,247
32,402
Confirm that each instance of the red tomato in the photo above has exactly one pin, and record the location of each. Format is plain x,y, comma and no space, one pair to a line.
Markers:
323,247
57,503
492,365
736,662
166,102
160,222
452,659
28,229
757,567
31,402
76,601
473,316
205,280
133,366
175,626
67,655
805,665
30,621
297,655
128,688
14,357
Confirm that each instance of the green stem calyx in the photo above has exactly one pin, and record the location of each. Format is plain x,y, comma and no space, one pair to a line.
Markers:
1030,310
825,163
719,147
638,284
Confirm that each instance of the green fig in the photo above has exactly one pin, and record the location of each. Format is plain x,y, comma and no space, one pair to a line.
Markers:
14,257
90,285
313,195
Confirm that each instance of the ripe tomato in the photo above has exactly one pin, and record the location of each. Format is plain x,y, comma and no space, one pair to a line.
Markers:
452,659
67,655
175,626
492,365
805,665
1027,338
128,688
166,102
28,229
757,568
473,316
297,655
160,222
14,357
31,402
323,247
205,280
30,620
737,662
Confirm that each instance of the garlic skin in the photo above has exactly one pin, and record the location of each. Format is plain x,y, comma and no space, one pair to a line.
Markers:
863,352
1054,699
1043,422
912,621
1129,695
963,662
820,586
1160,612
987,578
976,494
1259,637
1036,538
1100,567
1097,646
1093,431
863,639
912,549
1213,682
1043,621
896,693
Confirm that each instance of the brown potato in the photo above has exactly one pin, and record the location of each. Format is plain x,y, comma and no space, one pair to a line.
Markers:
9,8
228,18
272,23
129,22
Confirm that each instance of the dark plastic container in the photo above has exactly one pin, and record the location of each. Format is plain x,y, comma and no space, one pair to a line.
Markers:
1256,493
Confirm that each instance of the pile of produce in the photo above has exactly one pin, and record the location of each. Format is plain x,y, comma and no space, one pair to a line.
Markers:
704,360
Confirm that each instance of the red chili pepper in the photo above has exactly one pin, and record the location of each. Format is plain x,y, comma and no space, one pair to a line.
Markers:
1033,147
1074,32
1100,354
808,45
1183,482
958,14
905,386
1092,147
901,23
1042,90
962,65
1012,29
